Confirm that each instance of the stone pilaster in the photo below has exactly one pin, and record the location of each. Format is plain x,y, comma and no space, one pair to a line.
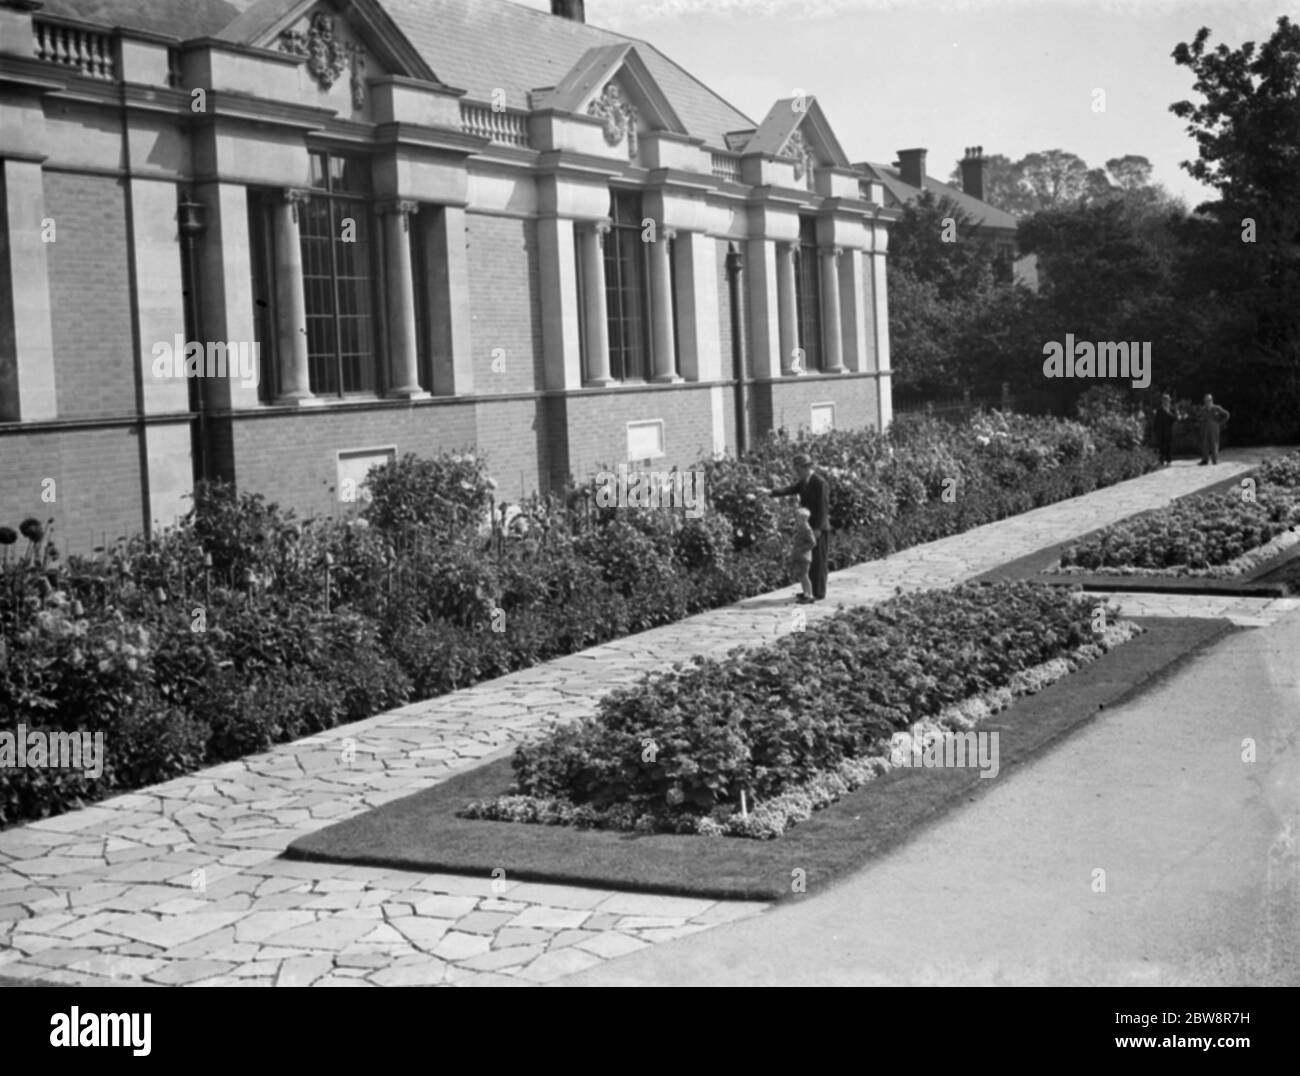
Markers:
699,340
761,276
26,329
449,304
880,323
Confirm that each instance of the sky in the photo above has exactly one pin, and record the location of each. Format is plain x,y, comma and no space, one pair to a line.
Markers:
1012,76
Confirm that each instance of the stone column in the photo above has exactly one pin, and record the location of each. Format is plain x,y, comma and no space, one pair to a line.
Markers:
291,302
591,238
833,360
661,308
786,297
403,348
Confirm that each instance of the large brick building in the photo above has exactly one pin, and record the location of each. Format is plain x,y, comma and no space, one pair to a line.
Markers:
424,225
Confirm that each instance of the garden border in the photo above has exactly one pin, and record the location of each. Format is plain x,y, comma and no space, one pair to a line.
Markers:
1032,568
422,832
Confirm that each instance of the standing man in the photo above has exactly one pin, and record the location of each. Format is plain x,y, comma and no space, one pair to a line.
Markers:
814,494
1165,430
1213,419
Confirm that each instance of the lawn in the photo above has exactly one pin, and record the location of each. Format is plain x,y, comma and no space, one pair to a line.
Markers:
423,832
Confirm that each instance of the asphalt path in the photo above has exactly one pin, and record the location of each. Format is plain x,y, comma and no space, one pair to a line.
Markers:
1146,849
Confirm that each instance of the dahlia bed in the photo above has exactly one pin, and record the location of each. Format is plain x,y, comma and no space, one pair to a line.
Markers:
1213,534
752,743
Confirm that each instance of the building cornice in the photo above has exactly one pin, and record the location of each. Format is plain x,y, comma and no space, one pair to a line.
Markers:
32,75
441,138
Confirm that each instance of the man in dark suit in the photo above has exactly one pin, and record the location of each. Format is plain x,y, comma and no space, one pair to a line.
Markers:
814,494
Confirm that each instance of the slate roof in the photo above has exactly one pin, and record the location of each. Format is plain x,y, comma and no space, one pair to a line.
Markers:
781,121
475,45
480,45
900,193
176,18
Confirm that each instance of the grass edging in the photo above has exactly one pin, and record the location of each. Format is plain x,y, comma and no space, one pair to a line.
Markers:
421,831
1252,584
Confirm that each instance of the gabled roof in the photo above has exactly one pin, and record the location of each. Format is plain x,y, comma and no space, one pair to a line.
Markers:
594,69
262,23
900,193
483,45
261,19
797,114
175,18
477,45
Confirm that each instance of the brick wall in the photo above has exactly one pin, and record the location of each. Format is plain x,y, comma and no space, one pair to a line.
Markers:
97,485
787,402
293,459
94,356
597,426
515,437
504,290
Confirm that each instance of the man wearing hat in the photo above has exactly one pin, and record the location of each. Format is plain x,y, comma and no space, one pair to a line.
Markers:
815,495
1213,418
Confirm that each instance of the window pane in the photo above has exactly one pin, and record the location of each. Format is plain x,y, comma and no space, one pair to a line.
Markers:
353,175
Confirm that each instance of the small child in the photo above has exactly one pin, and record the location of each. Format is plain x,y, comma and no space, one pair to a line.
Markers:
801,555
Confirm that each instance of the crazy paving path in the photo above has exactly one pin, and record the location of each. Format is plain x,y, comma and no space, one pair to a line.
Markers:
181,883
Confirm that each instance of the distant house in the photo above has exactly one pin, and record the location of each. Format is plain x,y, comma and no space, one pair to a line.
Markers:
413,226
905,179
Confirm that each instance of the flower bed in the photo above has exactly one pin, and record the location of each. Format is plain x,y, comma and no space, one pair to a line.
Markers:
245,627
1213,535
796,724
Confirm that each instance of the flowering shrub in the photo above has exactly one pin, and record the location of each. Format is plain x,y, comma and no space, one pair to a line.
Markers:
1108,411
1197,534
245,626
794,724
435,492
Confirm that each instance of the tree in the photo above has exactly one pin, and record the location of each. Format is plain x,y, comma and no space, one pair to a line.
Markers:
1130,172
1002,186
936,241
943,291
1054,178
1247,132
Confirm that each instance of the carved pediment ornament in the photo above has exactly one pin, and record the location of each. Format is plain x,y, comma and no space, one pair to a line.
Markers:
796,150
619,116
327,56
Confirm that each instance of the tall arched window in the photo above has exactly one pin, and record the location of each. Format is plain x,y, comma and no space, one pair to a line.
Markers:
626,302
337,229
808,294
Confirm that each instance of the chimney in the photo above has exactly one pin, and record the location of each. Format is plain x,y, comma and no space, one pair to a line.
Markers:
569,9
974,171
911,166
